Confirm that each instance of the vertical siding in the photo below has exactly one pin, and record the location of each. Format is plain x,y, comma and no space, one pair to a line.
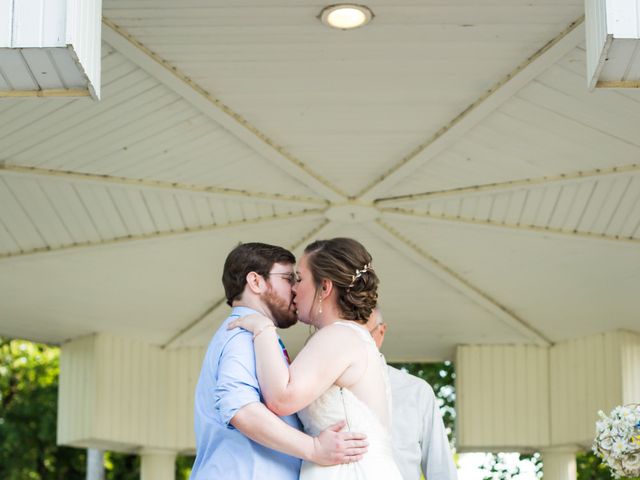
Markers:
501,392
38,23
76,394
84,31
596,33
184,368
122,394
132,393
623,18
585,377
6,20
630,367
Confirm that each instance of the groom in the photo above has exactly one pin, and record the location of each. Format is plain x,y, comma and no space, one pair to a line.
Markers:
236,435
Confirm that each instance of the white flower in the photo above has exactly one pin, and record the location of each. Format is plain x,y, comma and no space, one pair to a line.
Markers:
618,447
616,441
633,462
601,426
606,442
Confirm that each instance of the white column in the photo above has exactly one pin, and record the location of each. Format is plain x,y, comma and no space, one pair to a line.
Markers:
95,464
559,463
157,464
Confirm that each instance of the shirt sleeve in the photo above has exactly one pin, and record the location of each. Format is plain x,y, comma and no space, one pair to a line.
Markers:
237,384
437,460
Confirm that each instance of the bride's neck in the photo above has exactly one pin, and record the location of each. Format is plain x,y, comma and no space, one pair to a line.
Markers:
329,315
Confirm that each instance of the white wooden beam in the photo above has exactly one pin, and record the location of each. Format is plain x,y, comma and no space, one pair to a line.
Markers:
206,324
60,92
210,190
308,214
434,266
202,326
571,177
486,104
403,214
215,109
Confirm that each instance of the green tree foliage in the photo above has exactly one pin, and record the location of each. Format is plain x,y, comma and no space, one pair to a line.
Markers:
28,417
28,408
591,467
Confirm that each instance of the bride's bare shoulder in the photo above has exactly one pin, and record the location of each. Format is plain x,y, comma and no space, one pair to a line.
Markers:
338,332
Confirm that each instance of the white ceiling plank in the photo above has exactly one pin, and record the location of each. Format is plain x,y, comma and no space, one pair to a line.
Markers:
21,143
15,70
456,281
8,243
17,220
216,110
480,109
97,133
208,190
307,214
43,69
85,151
41,210
23,114
630,240
122,202
626,207
562,178
172,212
104,213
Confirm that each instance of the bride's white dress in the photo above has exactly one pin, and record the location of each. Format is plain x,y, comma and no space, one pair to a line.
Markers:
339,403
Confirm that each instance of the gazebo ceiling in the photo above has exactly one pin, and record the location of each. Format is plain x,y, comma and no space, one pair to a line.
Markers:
457,140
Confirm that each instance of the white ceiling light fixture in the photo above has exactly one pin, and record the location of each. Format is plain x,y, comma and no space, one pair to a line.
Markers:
346,16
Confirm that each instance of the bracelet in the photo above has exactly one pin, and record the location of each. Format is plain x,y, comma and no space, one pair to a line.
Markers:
270,325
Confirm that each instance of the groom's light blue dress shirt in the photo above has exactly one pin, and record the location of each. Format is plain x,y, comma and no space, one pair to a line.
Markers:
227,383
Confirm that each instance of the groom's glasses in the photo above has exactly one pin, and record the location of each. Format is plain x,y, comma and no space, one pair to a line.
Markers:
292,278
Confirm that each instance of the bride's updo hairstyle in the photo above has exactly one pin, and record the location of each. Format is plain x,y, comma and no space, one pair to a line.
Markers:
347,264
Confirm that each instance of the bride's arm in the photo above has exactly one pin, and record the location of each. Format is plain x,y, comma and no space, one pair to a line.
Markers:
321,362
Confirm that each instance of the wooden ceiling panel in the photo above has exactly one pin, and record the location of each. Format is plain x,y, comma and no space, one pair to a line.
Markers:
238,121
143,289
561,286
340,98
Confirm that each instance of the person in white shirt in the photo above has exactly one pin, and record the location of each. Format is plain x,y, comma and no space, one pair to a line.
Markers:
419,438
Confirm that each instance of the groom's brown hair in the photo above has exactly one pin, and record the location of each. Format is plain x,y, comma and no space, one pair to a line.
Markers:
250,257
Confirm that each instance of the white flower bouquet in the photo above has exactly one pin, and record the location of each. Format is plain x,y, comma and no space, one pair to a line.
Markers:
617,440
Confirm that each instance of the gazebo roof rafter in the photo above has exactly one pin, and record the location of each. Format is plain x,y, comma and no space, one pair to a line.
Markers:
471,116
511,184
308,214
425,217
438,268
166,185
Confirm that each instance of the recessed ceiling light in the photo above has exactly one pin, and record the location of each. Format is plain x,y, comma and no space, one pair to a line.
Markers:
346,16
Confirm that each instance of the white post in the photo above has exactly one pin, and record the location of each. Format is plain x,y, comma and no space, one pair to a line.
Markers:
559,463
95,464
157,464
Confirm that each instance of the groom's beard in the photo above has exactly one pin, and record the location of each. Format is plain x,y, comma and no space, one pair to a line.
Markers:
282,313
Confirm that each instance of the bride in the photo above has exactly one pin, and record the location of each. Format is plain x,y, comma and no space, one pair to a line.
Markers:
339,374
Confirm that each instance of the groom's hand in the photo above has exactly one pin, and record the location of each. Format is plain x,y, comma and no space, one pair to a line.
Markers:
332,446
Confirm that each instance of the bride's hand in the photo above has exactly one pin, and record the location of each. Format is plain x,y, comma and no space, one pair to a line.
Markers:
253,323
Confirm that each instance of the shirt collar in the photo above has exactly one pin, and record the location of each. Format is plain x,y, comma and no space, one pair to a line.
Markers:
241,311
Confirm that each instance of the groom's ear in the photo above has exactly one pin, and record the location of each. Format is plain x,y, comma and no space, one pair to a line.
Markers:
255,282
